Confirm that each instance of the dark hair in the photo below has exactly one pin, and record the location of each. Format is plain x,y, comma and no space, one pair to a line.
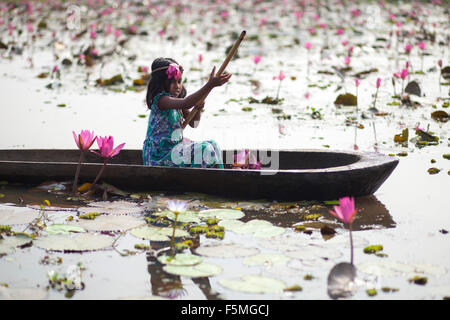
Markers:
159,81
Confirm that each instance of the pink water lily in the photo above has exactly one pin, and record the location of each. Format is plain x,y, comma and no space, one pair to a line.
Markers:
256,59
107,150
308,45
105,145
346,210
346,213
84,139
378,82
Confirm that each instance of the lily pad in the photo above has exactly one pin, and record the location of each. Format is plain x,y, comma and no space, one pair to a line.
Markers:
183,217
157,234
313,253
393,268
9,244
440,116
255,227
271,259
109,223
347,99
181,259
196,271
413,88
63,229
221,214
254,284
10,215
77,243
22,293
229,250
116,207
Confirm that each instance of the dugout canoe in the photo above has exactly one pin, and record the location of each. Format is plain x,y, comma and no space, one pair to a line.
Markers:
299,174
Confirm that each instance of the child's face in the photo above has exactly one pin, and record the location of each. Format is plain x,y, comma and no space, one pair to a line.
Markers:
175,87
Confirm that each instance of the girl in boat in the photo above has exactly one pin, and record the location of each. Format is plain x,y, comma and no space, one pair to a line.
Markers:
169,106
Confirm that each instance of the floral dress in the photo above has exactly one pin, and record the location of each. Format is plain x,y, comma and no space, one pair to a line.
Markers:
164,144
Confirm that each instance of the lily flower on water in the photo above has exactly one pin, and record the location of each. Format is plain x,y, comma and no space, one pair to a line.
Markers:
84,141
177,206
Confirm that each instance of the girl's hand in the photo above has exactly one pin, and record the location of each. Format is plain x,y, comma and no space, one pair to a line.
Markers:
200,106
217,81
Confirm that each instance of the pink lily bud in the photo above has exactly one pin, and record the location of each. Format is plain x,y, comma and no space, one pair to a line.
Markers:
308,45
340,31
404,74
256,59
378,82
133,29
30,27
144,69
55,68
93,35
200,58
117,33
109,29
422,45
347,60
344,42
10,29
323,25
357,82
408,48
312,31
94,52
440,63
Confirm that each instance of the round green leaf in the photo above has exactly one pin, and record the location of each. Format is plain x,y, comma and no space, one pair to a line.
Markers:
272,259
196,271
109,223
221,214
63,229
10,215
254,284
183,217
180,259
77,242
9,244
226,251
157,234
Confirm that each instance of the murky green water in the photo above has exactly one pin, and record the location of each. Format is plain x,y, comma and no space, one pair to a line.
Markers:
408,215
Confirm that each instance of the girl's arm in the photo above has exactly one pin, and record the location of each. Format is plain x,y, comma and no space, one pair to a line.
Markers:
166,102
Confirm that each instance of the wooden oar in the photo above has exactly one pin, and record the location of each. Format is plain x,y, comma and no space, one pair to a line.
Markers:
218,73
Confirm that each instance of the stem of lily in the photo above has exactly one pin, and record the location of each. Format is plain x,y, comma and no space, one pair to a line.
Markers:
77,173
351,243
278,91
99,174
173,233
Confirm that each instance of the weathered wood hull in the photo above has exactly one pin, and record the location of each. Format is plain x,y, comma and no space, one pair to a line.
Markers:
299,175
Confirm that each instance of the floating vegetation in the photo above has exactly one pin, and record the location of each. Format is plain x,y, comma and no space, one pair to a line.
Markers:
293,288
254,284
440,116
268,259
312,217
433,170
373,249
157,234
74,243
109,223
389,290
180,259
117,79
196,271
418,280
90,215
230,250
255,227
63,229
403,137
371,292
347,99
